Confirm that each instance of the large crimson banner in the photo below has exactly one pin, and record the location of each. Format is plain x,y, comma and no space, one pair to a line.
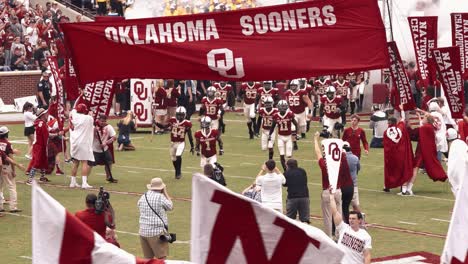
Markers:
251,44
450,71
424,34
400,79
460,38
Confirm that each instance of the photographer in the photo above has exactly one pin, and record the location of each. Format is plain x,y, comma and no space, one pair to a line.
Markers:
98,216
154,235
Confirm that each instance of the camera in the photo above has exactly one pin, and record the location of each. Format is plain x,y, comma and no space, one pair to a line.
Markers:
171,237
324,133
102,202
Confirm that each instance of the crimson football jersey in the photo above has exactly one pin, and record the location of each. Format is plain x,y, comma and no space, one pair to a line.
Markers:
42,133
295,101
179,129
207,142
222,92
250,92
330,106
321,87
49,35
212,107
262,93
160,98
284,123
267,117
341,88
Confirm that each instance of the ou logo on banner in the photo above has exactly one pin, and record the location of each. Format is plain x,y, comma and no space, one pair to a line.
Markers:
140,90
226,64
334,151
140,111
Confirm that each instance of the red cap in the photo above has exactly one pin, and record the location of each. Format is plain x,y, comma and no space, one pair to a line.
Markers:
82,108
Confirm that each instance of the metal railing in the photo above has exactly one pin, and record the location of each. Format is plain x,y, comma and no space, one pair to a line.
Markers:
83,11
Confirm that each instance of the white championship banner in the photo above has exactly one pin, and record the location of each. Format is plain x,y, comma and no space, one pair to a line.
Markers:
142,100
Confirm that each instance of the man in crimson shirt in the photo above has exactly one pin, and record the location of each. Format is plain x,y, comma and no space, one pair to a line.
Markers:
98,222
354,135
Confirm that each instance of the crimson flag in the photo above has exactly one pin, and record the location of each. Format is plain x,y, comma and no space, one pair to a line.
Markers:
424,34
250,44
460,38
400,79
450,72
53,64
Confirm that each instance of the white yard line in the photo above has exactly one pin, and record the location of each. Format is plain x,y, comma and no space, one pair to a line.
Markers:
25,257
248,164
118,231
134,172
407,223
21,142
440,220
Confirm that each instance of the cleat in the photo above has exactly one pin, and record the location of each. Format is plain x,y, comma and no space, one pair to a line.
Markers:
16,211
386,190
178,176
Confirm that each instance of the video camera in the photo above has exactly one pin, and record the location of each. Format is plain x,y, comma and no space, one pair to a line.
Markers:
102,202
171,237
324,133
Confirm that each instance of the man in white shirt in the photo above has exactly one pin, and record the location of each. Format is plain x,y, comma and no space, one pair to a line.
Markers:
270,180
81,140
104,137
354,241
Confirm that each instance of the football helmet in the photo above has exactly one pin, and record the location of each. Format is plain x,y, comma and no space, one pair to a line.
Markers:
294,85
82,108
268,102
205,122
223,83
211,92
180,113
283,106
267,85
331,92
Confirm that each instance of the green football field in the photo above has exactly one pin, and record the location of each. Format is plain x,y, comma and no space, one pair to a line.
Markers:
397,224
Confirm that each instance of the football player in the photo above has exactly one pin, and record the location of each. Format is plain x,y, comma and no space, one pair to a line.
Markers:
249,93
265,119
303,85
321,85
223,91
212,107
330,111
285,120
342,87
179,127
267,91
298,100
207,137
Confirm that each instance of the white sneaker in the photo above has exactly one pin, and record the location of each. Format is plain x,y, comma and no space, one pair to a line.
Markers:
74,185
28,156
86,186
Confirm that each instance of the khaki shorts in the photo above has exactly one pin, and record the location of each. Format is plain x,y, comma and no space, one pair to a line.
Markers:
154,248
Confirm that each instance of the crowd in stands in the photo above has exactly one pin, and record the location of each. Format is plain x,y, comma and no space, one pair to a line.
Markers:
28,34
186,7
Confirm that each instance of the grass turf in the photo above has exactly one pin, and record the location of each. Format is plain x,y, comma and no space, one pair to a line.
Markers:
242,161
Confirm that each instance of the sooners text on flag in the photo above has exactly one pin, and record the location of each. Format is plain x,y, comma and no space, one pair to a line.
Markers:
400,79
424,34
460,37
252,44
229,228
450,71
